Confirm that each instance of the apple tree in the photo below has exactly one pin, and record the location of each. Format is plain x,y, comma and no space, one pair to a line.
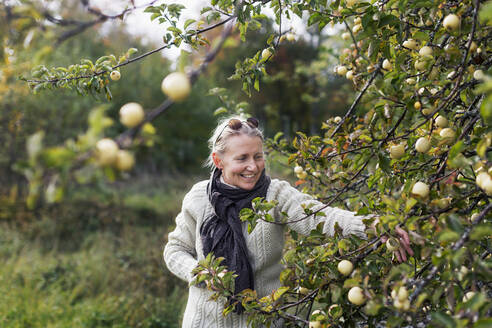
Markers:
412,152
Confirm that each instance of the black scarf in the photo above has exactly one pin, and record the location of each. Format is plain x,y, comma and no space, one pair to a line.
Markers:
222,234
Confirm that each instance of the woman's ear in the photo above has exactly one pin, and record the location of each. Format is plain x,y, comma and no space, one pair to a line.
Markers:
217,161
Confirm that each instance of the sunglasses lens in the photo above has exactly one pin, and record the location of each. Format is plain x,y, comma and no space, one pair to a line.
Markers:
235,124
253,122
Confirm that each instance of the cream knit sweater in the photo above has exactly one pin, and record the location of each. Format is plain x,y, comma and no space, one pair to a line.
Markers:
265,245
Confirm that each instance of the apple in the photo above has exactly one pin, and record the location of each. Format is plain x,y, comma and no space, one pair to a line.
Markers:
358,20
478,75
427,111
417,105
131,114
335,310
346,36
473,46
282,38
115,75
290,37
410,44
176,86
298,169
410,81
345,267
337,119
448,134
303,290
420,65
402,294
402,305
484,181
392,244
451,22
316,174
387,65
425,51
422,145
314,324
433,91
421,91
302,175
349,75
450,76
420,189
124,160
356,296
341,70
397,151
266,53
441,122
107,151
468,296
356,28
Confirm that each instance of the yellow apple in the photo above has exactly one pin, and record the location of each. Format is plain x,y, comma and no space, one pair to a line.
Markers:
290,37
484,181
106,150
302,175
314,324
410,44
402,294
417,105
303,290
448,135
345,267
420,189
392,244
266,54
410,81
356,296
346,36
358,20
425,51
298,169
341,70
124,160
441,122
420,65
176,86
387,65
337,119
131,114
451,22
397,151
350,75
356,28
478,75
115,75
468,296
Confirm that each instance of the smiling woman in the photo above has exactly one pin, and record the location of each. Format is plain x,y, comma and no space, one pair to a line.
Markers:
209,223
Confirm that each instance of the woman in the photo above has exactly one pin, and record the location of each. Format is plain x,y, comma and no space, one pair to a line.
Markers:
209,222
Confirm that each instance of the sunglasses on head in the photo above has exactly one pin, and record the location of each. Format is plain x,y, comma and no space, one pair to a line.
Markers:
236,124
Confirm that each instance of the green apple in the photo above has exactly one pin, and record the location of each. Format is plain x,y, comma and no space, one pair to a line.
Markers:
356,296
448,135
420,65
131,114
350,75
410,81
402,294
356,28
298,169
451,22
115,75
107,151
420,189
345,267
303,290
478,75
176,86
346,36
124,160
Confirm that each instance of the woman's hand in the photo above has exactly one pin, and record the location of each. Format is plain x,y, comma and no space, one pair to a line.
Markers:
404,249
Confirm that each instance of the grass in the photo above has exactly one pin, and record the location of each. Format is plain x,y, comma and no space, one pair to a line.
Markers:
95,261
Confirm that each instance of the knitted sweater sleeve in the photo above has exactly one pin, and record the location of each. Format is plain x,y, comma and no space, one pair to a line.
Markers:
291,201
179,253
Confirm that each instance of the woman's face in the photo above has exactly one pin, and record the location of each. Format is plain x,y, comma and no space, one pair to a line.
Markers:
242,162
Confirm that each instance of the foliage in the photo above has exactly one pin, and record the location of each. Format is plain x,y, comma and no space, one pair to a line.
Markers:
417,77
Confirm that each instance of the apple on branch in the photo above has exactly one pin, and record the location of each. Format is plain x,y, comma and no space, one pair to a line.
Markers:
131,114
106,151
176,86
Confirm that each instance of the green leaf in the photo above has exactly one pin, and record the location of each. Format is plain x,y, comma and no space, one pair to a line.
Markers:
188,23
443,319
481,231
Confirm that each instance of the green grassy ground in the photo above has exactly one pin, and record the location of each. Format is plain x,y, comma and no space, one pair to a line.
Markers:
95,261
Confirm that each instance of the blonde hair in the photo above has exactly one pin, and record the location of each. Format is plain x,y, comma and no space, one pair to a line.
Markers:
218,141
